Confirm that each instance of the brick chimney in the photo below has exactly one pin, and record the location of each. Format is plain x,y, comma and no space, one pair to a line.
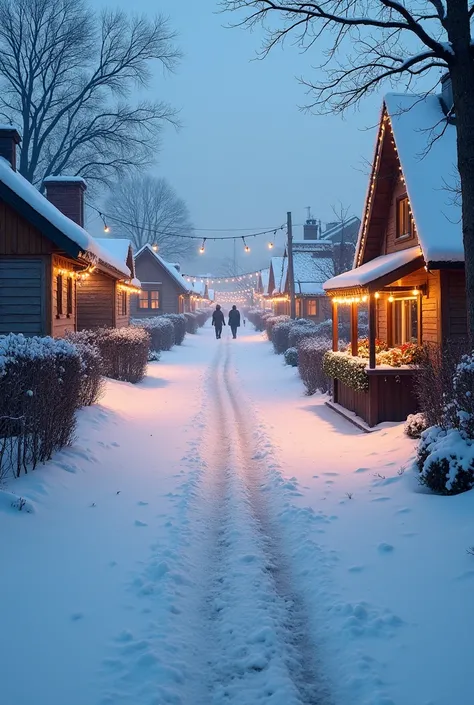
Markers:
67,194
9,138
310,229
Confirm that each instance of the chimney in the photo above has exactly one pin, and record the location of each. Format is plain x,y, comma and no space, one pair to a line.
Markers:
310,229
67,194
447,99
9,138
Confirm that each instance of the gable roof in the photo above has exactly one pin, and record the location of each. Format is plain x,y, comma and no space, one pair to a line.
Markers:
425,142
349,229
169,268
64,232
311,272
376,269
119,248
265,278
279,266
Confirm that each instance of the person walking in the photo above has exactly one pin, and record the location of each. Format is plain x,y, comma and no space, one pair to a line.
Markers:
218,321
234,320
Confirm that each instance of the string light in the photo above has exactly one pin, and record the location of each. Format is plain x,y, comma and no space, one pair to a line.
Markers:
106,227
129,288
219,280
270,245
246,247
202,249
155,247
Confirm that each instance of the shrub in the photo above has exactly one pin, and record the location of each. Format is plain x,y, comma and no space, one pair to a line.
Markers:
92,369
191,323
40,391
257,317
302,332
160,330
291,357
310,363
415,425
201,316
124,352
179,322
445,460
271,321
349,370
280,335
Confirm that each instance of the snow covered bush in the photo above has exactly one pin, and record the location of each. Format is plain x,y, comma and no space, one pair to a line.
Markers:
310,363
258,317
280,335
300,332
201,316
160,330
349,370
271,321
415,425
291,357
179,322
191,323
40,391
445,459
124,352
92,380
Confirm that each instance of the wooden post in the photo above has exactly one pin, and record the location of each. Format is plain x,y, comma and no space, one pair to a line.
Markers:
335,328
354,331
291,275
372,329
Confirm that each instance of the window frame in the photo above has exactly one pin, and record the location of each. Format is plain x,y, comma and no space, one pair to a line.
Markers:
145,300
410,232
399,319
59,295
69,297
123,304
312,302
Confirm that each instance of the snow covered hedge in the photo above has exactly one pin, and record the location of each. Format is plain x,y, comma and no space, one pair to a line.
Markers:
191,323
445,455
258,318
40,391
179,322
415,425
311,353
349,370
160,330
291,357
92,368
271,321
124,351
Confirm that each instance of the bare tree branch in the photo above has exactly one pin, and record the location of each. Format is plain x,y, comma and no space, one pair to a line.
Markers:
148,210
66,74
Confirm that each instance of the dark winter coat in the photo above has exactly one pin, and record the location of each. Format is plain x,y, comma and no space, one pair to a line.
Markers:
234,318
218,319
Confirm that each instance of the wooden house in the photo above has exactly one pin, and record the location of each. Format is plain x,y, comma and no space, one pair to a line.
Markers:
276,286
409,261
45,256
163,288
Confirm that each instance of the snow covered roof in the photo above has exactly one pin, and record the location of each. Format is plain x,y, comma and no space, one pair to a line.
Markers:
120,248
265,277
334,233
80,237
64,180
426,145
279,266
199,287
171,269
375,269
211,294
311,272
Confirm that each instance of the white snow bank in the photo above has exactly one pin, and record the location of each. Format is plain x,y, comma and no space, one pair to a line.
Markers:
13,502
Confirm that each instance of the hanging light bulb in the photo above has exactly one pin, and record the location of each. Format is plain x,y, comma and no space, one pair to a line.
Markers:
154,247
246,247
270,245
106,227
202,249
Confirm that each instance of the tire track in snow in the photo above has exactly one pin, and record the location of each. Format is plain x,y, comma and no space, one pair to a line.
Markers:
264,652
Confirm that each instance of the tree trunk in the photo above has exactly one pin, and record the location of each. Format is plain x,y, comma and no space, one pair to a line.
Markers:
462,79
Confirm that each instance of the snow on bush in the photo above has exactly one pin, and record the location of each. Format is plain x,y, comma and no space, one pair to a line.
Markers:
40,391
201,316
92,368
280,335
445,455
351,371
160,330
124,352
300,332
179,322
271,321
415,425
191,323
310,363
258,318
291,357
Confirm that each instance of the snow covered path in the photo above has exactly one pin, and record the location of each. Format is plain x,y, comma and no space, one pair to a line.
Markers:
215,537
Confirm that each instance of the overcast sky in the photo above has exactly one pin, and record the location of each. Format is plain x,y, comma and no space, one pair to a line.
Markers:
246,154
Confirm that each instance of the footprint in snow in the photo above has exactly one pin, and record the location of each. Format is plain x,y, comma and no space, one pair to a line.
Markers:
385,548
142,504
140,523
380,499
77,616
361,470
403,510
356,569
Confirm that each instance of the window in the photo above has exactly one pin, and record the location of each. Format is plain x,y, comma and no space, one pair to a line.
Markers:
405,321
123,303
298,303
404,219
149,299
70,294
312,307
59,294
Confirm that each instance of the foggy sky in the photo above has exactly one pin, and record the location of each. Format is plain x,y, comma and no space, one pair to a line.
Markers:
246,154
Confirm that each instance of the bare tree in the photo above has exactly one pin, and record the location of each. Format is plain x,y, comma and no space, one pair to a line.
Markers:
65,77
344,245
364,43
148,210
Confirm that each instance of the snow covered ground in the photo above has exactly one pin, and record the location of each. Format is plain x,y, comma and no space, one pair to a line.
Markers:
216,537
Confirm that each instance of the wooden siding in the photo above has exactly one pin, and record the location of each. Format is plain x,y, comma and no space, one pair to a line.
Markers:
454,309
18,237
121,319
62,323
430,306
96,302
22,296
154,277
391,242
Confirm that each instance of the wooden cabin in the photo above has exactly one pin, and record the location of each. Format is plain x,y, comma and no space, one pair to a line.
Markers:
312,265
45,257
409,261
163,288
